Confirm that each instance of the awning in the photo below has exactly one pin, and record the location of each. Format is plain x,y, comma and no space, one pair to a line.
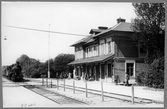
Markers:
102,58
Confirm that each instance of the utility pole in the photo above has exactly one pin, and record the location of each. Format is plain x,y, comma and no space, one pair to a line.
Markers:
49,53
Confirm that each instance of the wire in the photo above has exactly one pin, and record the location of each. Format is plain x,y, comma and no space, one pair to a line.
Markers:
44,30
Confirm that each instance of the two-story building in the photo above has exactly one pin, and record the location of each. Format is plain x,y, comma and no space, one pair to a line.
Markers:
107,52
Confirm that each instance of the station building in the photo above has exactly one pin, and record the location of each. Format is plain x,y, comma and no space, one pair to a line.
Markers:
108,52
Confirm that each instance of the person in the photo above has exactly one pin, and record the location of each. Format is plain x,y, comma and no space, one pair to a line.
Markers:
127,79
69,76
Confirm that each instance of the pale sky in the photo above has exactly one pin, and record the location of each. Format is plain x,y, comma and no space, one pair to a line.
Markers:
73,17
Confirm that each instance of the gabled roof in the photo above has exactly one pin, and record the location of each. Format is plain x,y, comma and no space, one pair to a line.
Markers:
122,26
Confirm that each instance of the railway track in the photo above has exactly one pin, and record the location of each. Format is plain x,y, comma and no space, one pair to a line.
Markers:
56,97
50,95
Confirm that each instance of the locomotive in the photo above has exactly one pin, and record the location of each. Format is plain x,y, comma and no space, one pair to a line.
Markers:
14,73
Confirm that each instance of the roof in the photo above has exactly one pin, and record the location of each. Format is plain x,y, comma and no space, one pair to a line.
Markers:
102,58
122,26
82,40
95,30
87,39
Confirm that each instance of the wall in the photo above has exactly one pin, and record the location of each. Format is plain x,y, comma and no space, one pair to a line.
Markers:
120,70
125,47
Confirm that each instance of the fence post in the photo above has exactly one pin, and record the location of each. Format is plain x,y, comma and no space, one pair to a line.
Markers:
73,86
51,82
42,80
57,83
47,82
132,94
64,84
86,88
102,91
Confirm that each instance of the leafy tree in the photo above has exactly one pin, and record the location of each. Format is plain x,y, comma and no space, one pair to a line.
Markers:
149,27
51,67
30,67
61,62
24,61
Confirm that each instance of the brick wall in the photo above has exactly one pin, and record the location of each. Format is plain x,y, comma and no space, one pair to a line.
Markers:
120,70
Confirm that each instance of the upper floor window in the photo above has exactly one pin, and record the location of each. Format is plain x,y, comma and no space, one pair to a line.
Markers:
76,48
142,50
109,46
102,48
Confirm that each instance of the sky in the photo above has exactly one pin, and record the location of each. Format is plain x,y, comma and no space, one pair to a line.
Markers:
66,17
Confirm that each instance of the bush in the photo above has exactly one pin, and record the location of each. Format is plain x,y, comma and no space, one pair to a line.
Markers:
155,75
140,78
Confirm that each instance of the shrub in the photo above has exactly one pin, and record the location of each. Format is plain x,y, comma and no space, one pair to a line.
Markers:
155,75
140,78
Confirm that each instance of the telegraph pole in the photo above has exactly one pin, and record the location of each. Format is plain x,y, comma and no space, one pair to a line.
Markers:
49,53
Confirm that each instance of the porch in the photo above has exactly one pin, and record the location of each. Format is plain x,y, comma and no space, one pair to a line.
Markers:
94,68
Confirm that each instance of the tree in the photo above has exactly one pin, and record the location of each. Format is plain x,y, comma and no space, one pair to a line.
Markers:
61,62
149,28
30,66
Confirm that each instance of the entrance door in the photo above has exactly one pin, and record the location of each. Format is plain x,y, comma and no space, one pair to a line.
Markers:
130,69
97,72
110,70
102,71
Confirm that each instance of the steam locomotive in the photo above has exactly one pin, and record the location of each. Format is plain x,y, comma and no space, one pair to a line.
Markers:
13,74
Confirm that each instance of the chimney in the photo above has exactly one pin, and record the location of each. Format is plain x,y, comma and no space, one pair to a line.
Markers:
120,20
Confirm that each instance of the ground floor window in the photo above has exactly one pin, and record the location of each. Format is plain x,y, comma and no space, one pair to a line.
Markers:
130,68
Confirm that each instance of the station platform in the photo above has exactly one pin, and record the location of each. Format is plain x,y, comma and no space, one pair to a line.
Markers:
15,95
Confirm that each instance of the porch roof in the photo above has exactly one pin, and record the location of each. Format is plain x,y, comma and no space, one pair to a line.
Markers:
102,58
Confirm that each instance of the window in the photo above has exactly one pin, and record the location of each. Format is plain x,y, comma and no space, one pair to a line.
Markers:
91,51
130,68
76,48
109,47
87,49
142,50
102,48
80,48
96,50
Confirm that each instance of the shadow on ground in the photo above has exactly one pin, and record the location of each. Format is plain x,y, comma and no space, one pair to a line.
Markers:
25,80
125,85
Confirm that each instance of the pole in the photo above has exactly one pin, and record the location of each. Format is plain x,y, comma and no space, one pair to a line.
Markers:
57,83
64,84
102,91
86,88
73,86
132,94
47,82
51,82
42,80
49,53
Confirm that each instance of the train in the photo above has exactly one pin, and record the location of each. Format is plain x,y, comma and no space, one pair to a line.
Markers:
12,75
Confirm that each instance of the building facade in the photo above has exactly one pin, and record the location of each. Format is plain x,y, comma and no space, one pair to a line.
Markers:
108,52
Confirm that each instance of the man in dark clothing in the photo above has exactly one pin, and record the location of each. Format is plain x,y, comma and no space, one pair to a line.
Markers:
127,79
